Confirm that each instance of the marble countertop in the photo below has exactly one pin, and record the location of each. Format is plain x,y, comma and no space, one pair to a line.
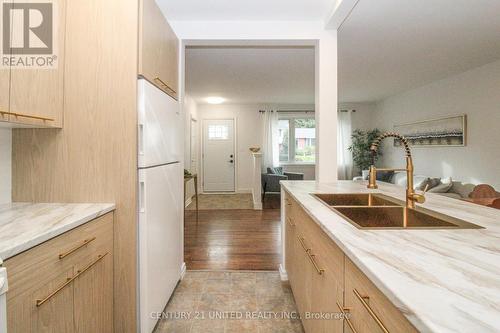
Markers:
25,225
441,280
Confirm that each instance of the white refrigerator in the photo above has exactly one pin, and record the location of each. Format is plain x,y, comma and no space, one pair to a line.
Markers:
160,145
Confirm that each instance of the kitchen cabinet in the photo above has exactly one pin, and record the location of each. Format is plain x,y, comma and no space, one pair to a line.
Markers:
158,49
34,96
326,283
64,284
371,311
4,96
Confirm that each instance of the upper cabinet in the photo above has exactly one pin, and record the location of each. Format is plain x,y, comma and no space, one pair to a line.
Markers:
158,49
33,84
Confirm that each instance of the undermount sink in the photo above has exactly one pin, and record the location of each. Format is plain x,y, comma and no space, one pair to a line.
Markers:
357,199
378,211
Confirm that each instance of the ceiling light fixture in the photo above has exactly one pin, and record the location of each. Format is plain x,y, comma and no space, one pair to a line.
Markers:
215,100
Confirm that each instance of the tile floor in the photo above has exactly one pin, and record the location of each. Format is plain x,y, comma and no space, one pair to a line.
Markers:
256,302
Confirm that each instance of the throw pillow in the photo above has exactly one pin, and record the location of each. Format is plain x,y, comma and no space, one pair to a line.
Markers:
443,187
431,182
385,176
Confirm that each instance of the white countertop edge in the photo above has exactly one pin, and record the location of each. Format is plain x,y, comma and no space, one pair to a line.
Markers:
44,236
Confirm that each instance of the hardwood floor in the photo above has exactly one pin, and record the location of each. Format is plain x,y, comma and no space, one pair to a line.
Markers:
233,240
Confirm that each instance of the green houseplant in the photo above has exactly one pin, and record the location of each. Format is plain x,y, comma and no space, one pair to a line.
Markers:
360,147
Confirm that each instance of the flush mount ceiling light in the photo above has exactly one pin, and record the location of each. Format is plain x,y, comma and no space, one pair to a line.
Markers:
215,100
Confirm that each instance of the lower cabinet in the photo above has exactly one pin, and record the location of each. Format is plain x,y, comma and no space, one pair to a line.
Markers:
315,270
64,284
326,285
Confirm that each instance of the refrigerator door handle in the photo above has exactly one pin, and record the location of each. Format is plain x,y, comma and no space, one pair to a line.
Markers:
141,139
142,199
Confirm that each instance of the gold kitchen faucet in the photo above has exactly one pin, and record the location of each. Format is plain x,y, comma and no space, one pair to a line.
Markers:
411,195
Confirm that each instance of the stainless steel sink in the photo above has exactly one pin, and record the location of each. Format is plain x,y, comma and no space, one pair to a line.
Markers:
377,211
357,199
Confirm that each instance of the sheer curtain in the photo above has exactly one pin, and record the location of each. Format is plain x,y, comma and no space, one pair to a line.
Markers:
270,144
344,156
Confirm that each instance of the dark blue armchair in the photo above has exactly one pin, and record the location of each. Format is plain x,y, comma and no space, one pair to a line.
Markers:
271,180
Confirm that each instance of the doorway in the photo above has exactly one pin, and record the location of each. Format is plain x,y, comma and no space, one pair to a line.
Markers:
218,155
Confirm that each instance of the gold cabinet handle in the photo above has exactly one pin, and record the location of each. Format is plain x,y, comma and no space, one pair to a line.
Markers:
345,312
25,116
157,79
301,241
363,299
76,248
290,223
311,256
40,302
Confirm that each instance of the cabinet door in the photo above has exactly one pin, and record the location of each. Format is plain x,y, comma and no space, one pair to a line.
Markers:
4,96
158,49
94,296
55,314
36,95
4,89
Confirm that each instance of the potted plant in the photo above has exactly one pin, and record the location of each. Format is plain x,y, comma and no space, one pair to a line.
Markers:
360,149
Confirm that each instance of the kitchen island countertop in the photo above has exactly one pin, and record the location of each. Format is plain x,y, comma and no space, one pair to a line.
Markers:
441,280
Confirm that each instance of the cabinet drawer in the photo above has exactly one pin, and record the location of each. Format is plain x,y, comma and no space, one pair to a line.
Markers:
328,255
72,249
370,310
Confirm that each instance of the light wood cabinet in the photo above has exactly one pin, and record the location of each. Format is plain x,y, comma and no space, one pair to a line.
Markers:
325,283
371,311
4,95
36,95
158,49
64,284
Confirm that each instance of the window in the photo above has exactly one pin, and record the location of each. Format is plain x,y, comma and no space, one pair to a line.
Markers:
297,140
218,132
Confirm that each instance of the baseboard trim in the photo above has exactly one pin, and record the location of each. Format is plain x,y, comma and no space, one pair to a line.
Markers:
257,205
283,274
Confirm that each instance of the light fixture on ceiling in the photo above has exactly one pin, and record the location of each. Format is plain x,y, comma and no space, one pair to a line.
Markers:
215,100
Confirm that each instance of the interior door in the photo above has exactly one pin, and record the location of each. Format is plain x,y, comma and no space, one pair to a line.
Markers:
218,155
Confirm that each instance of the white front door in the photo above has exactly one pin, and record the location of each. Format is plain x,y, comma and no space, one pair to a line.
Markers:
218,155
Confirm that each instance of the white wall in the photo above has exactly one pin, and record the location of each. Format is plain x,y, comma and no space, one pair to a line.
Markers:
190,112
248,134
363,117
285,33
475,93
5,165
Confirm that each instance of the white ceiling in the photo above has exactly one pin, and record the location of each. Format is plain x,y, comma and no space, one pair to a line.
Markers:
246,75
390,46
246,10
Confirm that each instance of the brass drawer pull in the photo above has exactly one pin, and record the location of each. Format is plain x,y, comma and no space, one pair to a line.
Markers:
25,116
345,311
363,299
311,256
290,223
301,241
157,79
40,302
76,248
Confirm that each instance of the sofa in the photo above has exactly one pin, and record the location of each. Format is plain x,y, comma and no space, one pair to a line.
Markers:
271,180
442,186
